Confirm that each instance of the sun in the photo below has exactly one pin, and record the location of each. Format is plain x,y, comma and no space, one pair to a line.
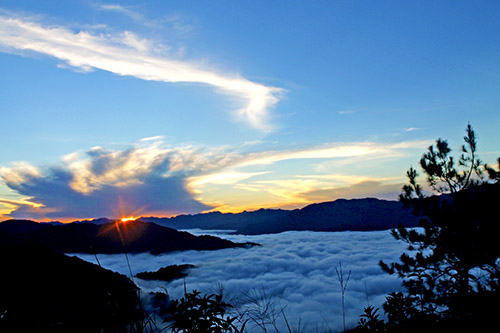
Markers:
128,219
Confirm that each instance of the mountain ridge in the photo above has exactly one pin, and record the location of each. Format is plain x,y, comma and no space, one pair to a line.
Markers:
366,214
130,237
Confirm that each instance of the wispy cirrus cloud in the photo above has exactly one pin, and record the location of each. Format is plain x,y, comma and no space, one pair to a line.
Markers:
346,112
174,22
128,54
113,7
333,150
411,129
320,173
16,203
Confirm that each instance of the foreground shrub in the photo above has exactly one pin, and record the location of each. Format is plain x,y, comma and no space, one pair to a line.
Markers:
201,313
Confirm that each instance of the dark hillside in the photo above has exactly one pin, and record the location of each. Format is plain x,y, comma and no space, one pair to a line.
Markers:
46,291
134,236
11,228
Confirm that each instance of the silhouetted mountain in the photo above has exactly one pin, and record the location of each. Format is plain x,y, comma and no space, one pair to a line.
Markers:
101,220
220,221
46,291
341,215
356,215
167,273
133,236
11,228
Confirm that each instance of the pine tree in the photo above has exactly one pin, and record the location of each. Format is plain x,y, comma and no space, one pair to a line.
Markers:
454,261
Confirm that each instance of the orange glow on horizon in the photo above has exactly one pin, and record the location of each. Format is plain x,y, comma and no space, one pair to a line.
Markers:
128,219
127,211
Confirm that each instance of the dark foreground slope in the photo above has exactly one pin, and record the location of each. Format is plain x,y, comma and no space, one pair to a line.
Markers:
132,237
45,291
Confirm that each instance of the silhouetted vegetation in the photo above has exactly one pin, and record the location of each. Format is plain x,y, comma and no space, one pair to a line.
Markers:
197,312
451,274
260,309
201,313
370,320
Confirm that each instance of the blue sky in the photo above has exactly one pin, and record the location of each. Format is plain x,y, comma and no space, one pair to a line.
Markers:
168,107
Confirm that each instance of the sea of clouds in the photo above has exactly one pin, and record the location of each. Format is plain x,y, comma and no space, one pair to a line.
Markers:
297,269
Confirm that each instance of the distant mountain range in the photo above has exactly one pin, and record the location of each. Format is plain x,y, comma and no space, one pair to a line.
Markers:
111,237
367,214
159,235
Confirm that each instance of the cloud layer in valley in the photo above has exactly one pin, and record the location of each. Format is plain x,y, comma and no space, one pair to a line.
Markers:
296,268
127,53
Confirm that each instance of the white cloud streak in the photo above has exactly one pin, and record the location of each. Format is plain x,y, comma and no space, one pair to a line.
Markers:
129,55
120,9
334,150
353,152
16,203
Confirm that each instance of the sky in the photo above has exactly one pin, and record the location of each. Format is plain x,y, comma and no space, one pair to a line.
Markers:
170,107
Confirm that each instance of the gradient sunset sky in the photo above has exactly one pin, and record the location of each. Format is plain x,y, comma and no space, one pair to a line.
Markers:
169,107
